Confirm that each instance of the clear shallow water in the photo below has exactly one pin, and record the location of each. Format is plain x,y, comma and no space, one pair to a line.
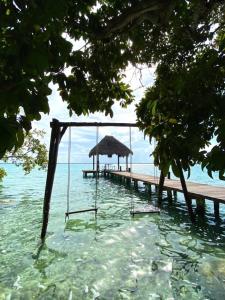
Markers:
112,256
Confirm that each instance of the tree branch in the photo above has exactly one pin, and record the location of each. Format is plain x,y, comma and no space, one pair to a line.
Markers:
132,14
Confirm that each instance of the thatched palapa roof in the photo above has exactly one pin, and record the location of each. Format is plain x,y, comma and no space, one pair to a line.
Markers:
109,146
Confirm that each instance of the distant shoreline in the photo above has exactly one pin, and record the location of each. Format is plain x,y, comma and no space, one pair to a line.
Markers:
90,163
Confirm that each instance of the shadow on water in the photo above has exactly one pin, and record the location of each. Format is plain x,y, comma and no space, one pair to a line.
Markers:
197,258
44,257
205,228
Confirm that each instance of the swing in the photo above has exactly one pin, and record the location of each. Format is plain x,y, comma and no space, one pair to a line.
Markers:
148,208
95,209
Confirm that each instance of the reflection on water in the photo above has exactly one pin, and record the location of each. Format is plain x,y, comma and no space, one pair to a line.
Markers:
110,256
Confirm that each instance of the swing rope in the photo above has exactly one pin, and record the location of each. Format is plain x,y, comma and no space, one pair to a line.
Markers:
130,150
68,174
97,169
68,212
97,157
132,200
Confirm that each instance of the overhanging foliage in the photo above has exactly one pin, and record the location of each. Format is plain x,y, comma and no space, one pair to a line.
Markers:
185,39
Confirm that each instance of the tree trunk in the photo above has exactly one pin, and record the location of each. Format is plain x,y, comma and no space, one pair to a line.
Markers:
185,191
161,184
53,153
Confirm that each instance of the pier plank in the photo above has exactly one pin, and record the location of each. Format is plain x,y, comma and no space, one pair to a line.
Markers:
198,190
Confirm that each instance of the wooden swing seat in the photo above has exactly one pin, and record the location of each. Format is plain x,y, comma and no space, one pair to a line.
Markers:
80,211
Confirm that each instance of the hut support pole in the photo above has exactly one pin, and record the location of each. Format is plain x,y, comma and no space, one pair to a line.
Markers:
93,162
118,163
185,191
126,163
97,163
56,136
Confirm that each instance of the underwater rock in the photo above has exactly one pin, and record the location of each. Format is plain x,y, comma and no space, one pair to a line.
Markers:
95,293
212,268
154,297
86,289
70,295
154,266
110,242
17,284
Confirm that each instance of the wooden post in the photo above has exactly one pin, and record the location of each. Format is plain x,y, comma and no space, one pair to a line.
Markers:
200,206
128,180
97,163
93,162
118,163
149,188
53,153
161,184
135,184
185,191
169,192
216,210
126,163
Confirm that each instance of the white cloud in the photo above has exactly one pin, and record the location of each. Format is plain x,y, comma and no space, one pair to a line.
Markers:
83,139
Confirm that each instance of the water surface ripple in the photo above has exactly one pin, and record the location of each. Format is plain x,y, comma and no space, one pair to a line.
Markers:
111,256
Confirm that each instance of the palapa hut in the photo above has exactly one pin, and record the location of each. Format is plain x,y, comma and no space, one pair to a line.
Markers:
110,146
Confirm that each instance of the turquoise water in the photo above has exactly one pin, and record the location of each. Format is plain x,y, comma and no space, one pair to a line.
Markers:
111,256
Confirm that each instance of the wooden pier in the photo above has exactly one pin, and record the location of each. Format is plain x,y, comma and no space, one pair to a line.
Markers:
196,191
91,172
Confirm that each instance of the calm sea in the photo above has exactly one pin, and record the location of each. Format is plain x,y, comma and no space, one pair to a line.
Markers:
110,255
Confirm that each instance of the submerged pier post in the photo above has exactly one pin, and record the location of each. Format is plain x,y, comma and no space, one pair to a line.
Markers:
135,184
128,180
169,192
200,206
216,210
148,188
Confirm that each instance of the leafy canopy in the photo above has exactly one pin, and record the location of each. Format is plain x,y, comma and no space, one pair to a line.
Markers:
32,154
185,39
35,50
185,108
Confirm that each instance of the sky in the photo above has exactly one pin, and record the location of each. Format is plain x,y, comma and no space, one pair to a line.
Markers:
83,139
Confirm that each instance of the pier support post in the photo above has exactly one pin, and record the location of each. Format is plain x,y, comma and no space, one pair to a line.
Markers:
56,136
128,180
216,210
148,188
200,206
169,192
185,191
135,184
